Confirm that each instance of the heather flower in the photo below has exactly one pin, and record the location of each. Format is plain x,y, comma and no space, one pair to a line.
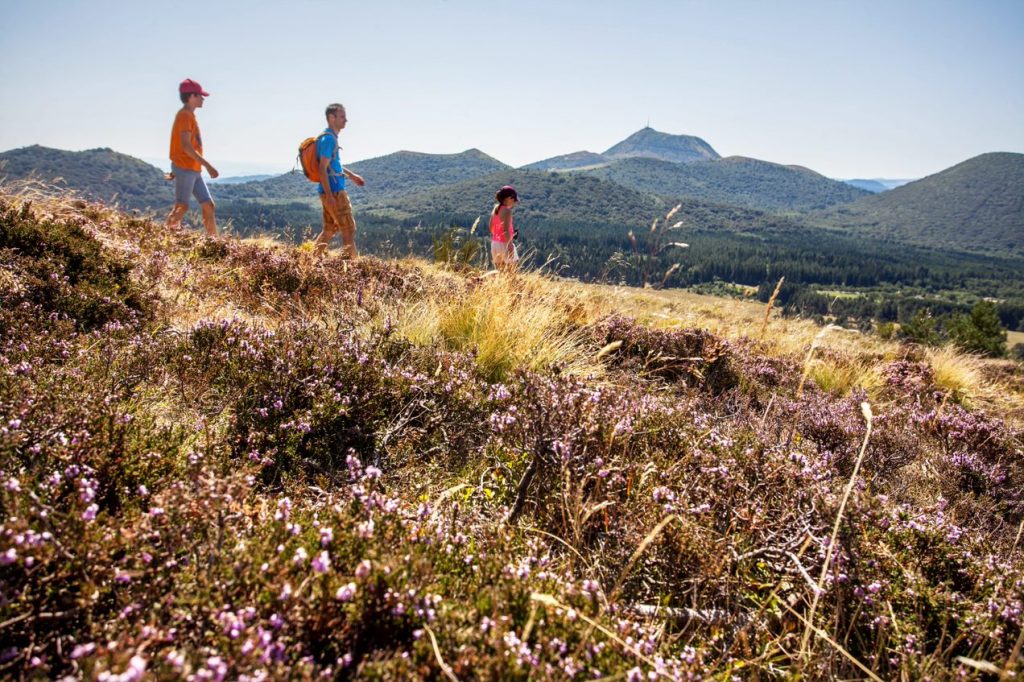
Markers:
90,512
82,650
322,562
346,592
365,529
135,671
663,494
8,557
284,509
326,536
363,569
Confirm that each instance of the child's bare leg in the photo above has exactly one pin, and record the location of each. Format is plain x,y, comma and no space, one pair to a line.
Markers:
210,218
175,216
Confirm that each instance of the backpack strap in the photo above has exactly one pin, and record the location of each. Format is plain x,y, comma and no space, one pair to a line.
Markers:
337,147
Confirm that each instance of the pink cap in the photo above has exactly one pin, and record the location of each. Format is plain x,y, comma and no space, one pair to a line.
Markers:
191,87
506,191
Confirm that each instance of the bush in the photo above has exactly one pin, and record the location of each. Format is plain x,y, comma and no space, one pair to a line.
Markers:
55,264
922,328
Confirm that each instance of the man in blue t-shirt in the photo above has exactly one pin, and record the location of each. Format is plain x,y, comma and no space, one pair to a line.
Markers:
337,207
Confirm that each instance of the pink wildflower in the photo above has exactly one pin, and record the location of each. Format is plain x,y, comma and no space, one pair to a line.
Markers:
346,592
326,536
322,562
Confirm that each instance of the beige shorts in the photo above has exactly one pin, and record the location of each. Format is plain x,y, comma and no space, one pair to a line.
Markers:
504,253
345,222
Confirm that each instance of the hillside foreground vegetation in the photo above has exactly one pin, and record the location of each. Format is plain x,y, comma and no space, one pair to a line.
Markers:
227,459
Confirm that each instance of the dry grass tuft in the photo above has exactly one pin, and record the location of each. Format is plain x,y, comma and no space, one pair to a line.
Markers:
842,374
510,322
958,373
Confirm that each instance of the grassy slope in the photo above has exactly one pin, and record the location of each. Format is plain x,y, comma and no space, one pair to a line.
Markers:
231,458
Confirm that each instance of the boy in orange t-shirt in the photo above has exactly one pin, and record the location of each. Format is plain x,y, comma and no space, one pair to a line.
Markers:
187,160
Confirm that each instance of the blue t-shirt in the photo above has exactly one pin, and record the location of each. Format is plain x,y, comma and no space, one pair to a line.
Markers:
327,146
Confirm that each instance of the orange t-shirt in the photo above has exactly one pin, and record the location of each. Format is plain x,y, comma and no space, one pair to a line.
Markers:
185,121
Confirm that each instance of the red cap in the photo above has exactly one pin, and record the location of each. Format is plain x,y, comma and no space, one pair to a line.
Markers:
191,87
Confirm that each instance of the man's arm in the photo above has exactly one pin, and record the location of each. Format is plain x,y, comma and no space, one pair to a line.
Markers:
354,177
186,144
325,182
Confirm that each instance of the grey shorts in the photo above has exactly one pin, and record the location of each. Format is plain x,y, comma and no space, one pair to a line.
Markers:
189,183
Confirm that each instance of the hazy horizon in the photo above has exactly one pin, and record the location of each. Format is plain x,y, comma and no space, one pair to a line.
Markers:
849,89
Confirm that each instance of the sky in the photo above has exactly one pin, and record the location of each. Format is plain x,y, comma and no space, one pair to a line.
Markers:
851,89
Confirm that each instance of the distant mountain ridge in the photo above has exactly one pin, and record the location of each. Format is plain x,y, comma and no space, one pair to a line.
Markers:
736,180
645,143
877,185
652,144
399,173
568,161
873,186
977,206
239,179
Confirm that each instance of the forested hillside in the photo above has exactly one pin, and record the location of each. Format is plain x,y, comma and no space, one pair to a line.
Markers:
977,205
733,180
388,176
96,173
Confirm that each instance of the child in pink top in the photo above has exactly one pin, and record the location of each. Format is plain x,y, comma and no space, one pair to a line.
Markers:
503,249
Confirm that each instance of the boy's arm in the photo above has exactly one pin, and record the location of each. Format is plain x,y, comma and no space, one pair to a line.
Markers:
186,144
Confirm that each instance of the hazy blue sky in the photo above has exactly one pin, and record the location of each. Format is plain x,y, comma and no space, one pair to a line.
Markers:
868,88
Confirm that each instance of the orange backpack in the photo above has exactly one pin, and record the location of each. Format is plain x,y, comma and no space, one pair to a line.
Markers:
308,158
